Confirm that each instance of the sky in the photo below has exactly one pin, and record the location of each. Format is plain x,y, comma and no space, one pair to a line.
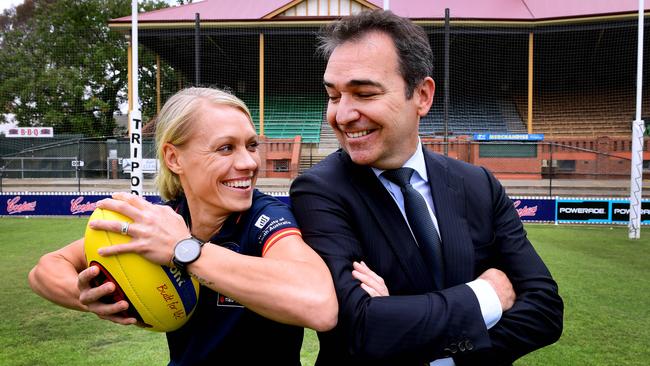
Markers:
5,4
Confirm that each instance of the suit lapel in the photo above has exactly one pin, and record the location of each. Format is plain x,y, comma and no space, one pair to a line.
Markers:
449,200
390,222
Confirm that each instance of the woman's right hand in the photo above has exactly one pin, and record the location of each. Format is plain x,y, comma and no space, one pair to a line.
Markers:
90,297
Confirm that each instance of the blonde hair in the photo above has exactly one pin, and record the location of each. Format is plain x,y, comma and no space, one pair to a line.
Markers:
174,126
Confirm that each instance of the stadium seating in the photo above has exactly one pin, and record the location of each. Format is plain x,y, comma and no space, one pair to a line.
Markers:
286,117
573,113
472,114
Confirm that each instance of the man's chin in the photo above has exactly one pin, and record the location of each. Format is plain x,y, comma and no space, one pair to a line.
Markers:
361,157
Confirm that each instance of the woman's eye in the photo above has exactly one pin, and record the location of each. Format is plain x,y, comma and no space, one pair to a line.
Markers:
225,148
253,146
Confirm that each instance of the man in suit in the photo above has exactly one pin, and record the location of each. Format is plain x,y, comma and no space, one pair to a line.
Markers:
484,297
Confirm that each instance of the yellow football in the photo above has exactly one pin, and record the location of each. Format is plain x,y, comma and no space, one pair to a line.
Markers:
160,297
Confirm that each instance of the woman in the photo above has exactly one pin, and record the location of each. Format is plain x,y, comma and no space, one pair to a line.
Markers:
253,254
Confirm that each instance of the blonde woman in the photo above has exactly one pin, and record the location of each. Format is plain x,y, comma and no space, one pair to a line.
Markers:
272,281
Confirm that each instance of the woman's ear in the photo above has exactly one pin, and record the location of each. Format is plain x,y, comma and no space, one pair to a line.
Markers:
171,158
424,95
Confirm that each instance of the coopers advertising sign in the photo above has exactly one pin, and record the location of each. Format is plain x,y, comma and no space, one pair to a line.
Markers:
52,204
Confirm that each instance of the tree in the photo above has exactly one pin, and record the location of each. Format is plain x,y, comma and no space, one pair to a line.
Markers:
61,66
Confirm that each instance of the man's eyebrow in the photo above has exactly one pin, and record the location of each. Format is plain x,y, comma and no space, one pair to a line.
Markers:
356,82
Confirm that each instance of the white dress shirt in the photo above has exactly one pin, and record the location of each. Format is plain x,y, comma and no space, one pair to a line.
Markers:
487,297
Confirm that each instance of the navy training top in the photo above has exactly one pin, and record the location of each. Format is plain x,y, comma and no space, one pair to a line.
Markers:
221,331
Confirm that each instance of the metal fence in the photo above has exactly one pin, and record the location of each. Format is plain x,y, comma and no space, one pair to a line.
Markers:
562,166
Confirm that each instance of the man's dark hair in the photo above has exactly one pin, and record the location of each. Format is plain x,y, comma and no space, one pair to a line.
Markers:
414,53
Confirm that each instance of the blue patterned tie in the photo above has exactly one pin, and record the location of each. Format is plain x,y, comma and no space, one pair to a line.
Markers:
420,222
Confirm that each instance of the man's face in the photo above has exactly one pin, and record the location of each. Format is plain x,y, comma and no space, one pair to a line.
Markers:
368,109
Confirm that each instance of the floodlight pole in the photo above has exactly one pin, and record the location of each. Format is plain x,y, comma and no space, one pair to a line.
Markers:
135,114
636,185
445,115
386,4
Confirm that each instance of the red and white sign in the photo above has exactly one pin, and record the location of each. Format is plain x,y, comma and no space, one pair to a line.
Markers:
30,132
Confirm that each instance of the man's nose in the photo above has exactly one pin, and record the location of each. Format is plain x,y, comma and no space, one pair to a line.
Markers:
346,110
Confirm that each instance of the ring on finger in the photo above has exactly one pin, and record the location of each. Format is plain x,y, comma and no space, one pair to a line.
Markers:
125,228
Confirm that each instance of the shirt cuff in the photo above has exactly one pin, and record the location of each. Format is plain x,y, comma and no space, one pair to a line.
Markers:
488,301
443,362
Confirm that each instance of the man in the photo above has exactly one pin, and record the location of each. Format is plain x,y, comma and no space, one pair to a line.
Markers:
481,295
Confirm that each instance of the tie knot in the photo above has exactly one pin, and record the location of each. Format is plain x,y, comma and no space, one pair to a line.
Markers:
401,176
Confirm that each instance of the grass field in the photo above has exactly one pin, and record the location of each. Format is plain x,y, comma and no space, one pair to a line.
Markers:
604,279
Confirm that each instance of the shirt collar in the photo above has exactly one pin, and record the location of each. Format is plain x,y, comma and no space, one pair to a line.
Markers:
416,162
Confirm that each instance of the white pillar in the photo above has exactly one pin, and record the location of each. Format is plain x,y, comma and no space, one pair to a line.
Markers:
636,181
135,114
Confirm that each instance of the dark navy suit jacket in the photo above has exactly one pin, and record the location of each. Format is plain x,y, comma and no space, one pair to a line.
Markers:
347,215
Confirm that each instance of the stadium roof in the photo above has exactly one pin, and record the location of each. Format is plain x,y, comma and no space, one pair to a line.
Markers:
479,10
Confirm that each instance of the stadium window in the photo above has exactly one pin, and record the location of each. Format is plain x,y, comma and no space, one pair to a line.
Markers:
281,165
646,165
492,150
566,165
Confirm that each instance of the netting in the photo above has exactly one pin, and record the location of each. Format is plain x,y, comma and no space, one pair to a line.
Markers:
64,68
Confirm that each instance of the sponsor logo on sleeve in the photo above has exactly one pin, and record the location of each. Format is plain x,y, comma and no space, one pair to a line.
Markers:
261,221
224,300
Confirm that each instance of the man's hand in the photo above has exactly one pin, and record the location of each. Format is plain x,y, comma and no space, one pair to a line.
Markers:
501,285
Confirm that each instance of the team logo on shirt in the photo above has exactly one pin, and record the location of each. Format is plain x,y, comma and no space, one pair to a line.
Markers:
261,221
224,300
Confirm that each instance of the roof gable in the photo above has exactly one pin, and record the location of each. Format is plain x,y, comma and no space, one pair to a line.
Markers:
322,8
509,10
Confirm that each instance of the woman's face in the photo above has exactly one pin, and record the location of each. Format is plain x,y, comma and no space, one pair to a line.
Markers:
218,164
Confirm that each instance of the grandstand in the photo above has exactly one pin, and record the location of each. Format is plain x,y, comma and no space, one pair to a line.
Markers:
470,115
583,73
573,114
286,117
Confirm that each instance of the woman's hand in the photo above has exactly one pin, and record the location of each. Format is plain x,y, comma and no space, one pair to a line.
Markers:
370,281
155,228
90,296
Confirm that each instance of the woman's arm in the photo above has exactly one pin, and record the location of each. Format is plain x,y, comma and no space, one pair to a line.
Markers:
290,284
62,277
55,275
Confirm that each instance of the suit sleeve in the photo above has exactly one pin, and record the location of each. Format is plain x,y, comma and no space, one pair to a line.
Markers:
403,328
535,320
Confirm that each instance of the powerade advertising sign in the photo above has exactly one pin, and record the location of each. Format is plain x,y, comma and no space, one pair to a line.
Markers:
599,211
584,211
621,212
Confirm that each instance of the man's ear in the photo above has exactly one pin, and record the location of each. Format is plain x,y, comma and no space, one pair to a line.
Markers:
423,95
171,157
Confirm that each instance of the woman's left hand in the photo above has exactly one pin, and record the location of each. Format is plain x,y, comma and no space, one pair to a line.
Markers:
155,228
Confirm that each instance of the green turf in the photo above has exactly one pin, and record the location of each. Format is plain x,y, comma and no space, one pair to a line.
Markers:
604,279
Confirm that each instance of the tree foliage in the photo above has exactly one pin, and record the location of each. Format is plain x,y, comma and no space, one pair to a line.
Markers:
61,66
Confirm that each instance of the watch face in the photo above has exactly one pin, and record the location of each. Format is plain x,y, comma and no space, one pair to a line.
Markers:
187,250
